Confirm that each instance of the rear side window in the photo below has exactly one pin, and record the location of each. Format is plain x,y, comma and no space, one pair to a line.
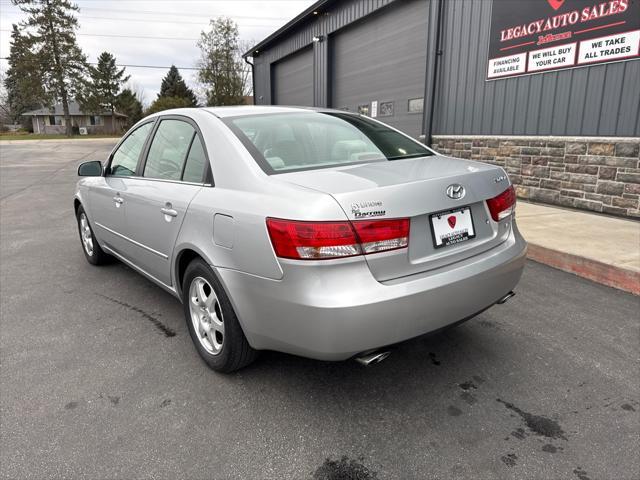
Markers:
125,158
169,150
196,161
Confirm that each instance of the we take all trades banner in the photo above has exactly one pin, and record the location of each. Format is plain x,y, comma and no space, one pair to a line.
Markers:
534,36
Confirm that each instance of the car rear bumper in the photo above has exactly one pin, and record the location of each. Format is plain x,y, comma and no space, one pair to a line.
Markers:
335,310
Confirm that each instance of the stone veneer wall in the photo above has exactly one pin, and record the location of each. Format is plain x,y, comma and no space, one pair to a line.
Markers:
590,173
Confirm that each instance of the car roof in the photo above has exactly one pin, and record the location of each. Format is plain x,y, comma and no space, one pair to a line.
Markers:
234,111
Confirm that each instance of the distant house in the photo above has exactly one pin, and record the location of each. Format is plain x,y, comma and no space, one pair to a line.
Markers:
51,120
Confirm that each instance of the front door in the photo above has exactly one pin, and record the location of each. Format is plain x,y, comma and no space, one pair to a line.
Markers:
157,202
107,197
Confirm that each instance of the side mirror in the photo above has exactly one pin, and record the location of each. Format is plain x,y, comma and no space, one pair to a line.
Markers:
90,169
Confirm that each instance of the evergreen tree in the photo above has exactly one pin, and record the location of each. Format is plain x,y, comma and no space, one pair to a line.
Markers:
222,70
129,104
24,90
101,90
62,62
165,103
173,85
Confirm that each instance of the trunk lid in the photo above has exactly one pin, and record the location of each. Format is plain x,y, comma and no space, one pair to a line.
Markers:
414,188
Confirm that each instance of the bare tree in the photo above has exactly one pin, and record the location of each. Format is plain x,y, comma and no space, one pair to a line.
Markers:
223,73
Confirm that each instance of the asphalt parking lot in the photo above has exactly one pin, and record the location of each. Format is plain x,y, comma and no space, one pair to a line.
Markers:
99,378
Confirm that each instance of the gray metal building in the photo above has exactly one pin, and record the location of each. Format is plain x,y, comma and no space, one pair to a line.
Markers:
421,66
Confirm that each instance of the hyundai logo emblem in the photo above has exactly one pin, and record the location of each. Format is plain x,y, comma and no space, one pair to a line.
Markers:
455,191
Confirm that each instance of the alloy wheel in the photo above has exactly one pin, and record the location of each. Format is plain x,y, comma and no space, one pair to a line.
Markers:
86,235
206,315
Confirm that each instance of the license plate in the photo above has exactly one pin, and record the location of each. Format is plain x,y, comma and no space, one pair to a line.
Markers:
452,227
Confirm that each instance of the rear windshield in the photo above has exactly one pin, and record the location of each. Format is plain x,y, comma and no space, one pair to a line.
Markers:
285,142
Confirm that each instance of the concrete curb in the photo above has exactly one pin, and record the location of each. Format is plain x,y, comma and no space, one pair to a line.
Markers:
616,277
60,140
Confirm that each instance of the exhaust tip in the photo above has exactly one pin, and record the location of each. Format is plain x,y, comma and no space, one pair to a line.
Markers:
373,357
506,298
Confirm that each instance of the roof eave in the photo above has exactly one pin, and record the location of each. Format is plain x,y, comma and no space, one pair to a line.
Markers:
286,27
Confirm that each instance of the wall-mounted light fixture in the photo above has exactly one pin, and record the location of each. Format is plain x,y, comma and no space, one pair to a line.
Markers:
318,38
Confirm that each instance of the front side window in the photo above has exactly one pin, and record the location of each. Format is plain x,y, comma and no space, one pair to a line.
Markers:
125,158
287,142
168,150
95,120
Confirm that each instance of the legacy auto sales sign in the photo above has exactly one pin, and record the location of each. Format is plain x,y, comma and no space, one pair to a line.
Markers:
532,36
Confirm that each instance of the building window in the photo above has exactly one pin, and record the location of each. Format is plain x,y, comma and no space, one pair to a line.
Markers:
54,120
386,109
416,105
95,120
363,109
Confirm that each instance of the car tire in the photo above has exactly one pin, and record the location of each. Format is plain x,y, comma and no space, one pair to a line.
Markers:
90,246
212,322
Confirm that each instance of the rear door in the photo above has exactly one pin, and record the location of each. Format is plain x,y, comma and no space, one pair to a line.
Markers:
107,198
175,169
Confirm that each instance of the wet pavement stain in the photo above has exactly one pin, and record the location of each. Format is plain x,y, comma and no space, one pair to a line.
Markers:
344,469
433,358
519,433
468,398
113,399
71,405
581,474
466,395
488,324
627,407
454,411
168,332
165,402
510,460
537,423
468,385
549,448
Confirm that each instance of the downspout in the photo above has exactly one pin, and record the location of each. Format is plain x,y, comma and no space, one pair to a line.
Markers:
253,79
433,60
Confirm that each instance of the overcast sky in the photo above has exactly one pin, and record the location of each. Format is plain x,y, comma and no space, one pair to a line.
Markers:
179,22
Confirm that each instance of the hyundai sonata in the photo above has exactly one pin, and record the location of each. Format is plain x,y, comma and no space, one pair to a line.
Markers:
314,232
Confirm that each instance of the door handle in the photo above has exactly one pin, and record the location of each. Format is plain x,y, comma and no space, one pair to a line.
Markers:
118,200
169,211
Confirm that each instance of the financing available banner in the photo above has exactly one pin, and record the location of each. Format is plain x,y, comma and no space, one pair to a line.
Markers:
534,36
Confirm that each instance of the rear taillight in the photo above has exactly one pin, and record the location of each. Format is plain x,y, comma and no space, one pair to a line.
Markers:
382,235
503,205
325,240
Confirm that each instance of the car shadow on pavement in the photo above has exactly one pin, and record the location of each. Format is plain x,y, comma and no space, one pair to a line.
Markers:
416,375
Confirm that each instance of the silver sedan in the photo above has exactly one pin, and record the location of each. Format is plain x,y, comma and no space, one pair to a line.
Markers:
314,232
